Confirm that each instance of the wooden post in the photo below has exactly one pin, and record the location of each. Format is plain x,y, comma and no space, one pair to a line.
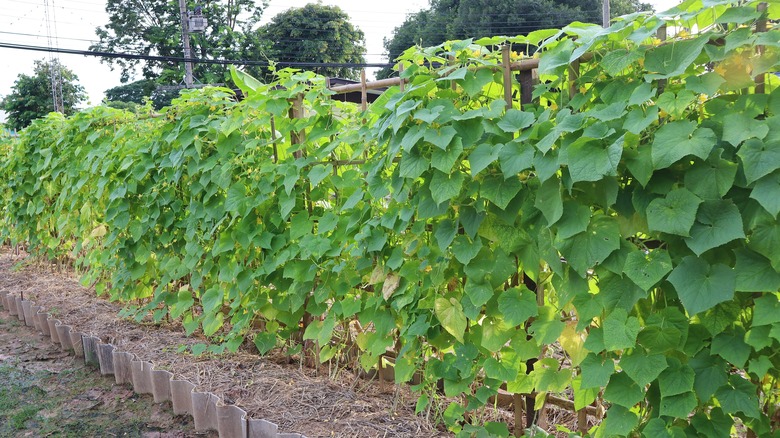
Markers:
363,90
506,64
518,403
273,140
400,72
661,35
574,73
582,421
761,27
526,87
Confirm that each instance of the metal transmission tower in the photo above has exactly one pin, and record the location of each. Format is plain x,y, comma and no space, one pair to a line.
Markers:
55,69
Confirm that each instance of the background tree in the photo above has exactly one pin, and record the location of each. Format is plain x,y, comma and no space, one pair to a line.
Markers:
315,33
461,19
31,97
153,27
136,92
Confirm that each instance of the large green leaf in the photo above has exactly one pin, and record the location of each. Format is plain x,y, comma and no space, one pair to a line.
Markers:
680,139
585,250
515,120
755,273
767,193
482,156
589,160
620,330
676,379
451,316
445,187
673,214
646,269
641,367
717,222
758,158
623,391
739,396
673,59
517,305
700,285
596,371
766,310
500,191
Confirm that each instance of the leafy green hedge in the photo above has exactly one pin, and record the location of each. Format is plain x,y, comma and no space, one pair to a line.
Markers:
631,226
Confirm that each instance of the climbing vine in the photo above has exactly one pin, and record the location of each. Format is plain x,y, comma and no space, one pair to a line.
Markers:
617,237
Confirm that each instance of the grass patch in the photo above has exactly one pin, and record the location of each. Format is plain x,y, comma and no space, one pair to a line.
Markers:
22,416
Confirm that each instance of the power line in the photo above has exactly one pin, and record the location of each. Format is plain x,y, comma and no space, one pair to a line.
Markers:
194,60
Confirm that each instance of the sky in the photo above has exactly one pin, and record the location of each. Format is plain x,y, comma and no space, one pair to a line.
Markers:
73,23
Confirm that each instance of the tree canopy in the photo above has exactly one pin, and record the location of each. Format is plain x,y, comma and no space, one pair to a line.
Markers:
31,96
315,33
461,19
153,27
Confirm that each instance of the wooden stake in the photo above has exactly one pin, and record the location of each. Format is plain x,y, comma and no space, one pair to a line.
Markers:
401,83
363,90
761,27
518,403
574,73
506,64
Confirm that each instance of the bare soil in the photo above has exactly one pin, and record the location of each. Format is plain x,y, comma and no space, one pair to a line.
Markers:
46,392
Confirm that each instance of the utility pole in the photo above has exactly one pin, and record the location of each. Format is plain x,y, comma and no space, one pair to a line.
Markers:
185,40
605,13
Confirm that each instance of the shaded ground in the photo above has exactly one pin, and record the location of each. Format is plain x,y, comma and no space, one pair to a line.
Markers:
46,392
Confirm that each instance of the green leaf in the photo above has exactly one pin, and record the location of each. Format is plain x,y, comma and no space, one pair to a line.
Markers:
444,160
678,406
639,119
596,371
711,179
515,157
717,222
620,330
318,173
755,273
547,327
500,191
623,391
710,374
700,285
589,160
675,104
445,187
517,305
265,342
767,193
676,379
617,60
465,249
739,396
482,156
707,83
451,316
758,158
676,140
445,232
647,269
765,239
766,310
575,219
441,137
585,250
619,421
673,214
515,120
641,367
670,60
496,370
549,200
731,345
738,127
495,334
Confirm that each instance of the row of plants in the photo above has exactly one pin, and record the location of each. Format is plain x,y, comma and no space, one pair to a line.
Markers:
620,242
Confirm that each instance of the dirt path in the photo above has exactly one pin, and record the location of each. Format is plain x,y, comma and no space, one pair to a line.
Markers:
46,392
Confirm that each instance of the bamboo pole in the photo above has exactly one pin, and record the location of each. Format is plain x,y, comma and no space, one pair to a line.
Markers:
363,90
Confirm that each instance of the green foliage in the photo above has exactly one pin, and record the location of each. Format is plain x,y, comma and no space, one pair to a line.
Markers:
31,97
635,231
315,33
153,27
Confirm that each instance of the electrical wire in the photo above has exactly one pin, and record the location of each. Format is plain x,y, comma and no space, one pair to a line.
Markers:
193,60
